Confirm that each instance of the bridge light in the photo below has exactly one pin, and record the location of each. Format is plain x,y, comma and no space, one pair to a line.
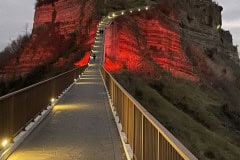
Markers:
53,100
5,143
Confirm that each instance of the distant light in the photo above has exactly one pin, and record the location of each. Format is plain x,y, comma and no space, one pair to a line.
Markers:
139,9
131,11
5,143
219,27
53,100
94,51
113,14
122,13
147,8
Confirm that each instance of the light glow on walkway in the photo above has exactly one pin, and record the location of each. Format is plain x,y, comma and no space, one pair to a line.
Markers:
4,143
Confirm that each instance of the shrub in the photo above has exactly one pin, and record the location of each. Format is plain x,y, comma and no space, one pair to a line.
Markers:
42,2
14,48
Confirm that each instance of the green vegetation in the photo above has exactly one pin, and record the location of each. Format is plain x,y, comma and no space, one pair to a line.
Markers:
193,112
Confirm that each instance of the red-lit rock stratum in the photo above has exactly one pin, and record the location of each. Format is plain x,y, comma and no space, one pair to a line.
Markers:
166,37
142,42
63,31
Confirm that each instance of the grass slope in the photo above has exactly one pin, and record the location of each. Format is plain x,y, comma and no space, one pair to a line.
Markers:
191,111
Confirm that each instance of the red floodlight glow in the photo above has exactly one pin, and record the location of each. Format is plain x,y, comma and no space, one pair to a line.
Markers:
161,45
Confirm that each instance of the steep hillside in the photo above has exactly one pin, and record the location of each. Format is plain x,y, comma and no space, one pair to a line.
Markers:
60,33
63,31
179,63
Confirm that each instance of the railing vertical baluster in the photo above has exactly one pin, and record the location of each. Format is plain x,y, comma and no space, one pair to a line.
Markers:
119,105
113,98
117,102
112,85
131,126
158,146
142,138
11,126
124,114
122,107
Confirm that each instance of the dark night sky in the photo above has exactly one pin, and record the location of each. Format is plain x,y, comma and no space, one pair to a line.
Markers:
15,14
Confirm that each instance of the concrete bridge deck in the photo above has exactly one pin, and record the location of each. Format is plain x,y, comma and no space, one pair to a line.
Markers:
81,126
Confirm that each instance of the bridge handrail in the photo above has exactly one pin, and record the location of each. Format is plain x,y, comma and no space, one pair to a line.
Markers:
151,133
36,84
19,108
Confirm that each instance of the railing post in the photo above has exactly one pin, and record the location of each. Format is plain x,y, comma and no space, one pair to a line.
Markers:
143,127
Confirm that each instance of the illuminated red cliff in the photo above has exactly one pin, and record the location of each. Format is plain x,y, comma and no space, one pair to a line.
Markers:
169,36
166,37
141,42
63,32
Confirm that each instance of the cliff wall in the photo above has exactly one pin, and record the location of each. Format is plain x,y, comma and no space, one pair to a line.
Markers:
142,42
168,36
62,33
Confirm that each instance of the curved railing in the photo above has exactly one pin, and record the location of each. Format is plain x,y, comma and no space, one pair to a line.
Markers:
149,139
19,108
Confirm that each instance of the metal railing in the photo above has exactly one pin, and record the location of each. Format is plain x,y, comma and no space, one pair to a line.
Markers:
148,139
19,108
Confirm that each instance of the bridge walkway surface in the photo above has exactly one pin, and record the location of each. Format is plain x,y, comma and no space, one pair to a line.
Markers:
80,126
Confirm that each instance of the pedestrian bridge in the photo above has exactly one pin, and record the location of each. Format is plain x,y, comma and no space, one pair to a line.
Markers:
83,114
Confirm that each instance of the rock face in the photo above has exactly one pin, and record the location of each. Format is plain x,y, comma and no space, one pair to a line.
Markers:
142,42
62,31
69,16
200,24
162,37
